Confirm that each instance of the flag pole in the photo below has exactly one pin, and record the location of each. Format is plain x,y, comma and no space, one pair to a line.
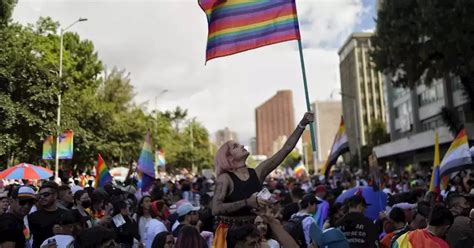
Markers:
308,104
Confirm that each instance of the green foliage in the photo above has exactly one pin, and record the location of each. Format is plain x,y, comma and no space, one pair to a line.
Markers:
291,160
377,133
6,11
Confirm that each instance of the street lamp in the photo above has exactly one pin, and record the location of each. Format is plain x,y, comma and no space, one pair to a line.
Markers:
356,127
58,123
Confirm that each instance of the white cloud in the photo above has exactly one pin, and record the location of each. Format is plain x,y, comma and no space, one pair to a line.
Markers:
162,45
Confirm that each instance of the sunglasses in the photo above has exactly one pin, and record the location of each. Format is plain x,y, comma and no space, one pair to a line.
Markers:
45,194
25,202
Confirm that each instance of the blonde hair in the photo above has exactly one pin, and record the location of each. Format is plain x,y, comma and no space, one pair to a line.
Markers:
222,160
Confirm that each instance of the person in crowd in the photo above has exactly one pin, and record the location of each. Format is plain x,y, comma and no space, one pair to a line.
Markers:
96,237
4,202
124,226
70,227
265,233
163,240
292,208
323,208
65,197
303,218
42,221
82,204
188,216
432,236
12,226
359,230
461,228
189,237
154,226
396,218
336,212
237,185
143,216
205,214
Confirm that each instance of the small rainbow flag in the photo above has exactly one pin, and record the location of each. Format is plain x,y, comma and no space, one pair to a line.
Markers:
102,173
66,145
145,165
241,25
340,146
48,148
299,170
434,184
160,159
458,156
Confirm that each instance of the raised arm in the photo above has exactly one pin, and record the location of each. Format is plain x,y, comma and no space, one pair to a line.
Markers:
267,166
221,190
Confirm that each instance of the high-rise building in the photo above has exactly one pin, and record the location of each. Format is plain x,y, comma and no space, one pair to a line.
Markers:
327,117
362,89
225,135
274,118
253,145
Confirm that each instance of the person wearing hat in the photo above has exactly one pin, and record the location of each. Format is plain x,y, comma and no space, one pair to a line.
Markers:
432,236
70,223
12,227
187,215
359,230
460,208
304,217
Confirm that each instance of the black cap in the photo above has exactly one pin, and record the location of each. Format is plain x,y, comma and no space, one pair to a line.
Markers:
309,199
356,200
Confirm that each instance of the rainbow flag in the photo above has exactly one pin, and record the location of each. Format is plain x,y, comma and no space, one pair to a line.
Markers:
340,146
48,148
102,173
299,170
458,156
434,184
160,159
66,145
419,238
239,25
145,165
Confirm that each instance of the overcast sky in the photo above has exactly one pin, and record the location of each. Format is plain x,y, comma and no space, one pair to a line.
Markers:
162,44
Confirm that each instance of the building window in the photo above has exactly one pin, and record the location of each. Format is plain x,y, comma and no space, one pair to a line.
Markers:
432,123
431,94
457,84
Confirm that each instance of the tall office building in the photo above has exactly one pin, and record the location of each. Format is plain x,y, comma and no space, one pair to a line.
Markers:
225,135
274,118
327,117
362,89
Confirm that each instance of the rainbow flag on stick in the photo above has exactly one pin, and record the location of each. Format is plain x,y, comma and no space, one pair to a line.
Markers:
435,179
340,146
66,145
458,156
102,173
160,159
146,166
299,170
48,148
241,25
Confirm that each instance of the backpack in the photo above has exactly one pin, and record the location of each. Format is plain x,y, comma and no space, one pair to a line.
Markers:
294,227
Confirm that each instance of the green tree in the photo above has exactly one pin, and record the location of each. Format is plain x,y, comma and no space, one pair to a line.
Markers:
6,11
377,133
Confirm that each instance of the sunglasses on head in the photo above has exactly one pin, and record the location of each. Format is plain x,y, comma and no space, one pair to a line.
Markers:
25,202
45,194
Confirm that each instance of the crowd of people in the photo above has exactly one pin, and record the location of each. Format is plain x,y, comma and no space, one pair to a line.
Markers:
240,207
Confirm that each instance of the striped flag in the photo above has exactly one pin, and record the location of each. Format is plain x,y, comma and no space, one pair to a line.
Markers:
434,184
66,145
102,173
239,25
146,166
48,150
160,158
340,146
458,156
299,170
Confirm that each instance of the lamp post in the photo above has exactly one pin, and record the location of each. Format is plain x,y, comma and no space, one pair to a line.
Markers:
354,106
58,121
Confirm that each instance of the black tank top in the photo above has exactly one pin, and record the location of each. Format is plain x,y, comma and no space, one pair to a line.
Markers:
243,190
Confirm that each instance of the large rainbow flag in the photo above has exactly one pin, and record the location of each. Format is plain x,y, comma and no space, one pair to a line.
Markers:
239,25
146,167
434,184
66,145
458,156
48,148
340,146
419,238
102,173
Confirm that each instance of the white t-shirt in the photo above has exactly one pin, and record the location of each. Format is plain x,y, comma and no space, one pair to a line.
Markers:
62,241
142,223
153,227
273,243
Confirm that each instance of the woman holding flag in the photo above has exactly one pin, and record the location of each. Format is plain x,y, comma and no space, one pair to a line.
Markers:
237,185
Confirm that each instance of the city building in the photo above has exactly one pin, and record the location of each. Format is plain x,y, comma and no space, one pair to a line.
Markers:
225,135
274,118
362,89
327,117
253,145
415,115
